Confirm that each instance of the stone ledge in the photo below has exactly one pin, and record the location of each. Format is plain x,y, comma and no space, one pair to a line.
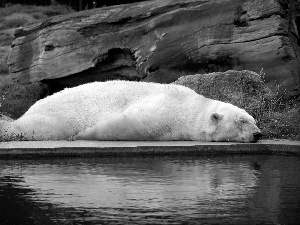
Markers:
121,148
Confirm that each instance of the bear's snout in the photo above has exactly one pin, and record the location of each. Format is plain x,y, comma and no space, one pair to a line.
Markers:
256,136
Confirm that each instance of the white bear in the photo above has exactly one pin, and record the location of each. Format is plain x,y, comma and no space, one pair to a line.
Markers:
126,110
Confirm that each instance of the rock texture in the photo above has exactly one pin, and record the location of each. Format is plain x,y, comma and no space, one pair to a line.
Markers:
160,41
245,89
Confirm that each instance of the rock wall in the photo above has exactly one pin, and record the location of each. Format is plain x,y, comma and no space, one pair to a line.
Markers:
160,41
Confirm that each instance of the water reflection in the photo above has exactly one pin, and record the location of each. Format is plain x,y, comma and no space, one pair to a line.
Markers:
151,190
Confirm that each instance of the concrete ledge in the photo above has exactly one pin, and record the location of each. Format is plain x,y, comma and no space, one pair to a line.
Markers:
120,148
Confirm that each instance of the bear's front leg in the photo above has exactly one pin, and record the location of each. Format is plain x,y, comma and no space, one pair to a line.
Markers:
114,128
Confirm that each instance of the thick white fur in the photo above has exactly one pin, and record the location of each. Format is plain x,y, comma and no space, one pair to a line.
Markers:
123,110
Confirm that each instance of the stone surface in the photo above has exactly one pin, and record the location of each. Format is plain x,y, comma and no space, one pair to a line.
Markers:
245,89
160,41
121,148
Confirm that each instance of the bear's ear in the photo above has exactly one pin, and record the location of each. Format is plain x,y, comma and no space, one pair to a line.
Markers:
216,117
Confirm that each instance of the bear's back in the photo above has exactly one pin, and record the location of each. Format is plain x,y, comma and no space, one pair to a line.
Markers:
110,95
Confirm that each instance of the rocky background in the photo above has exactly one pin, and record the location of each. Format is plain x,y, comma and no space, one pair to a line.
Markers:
160,41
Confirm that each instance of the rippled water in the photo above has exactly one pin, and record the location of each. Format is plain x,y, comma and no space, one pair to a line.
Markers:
151,190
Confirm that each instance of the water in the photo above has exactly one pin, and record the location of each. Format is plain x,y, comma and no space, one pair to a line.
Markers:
151,190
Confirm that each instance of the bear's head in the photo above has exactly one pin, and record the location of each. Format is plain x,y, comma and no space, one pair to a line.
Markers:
231,123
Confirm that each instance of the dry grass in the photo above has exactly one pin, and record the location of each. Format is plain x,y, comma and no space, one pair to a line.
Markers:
16,99
50,10
3,65
17,15
6,39
278,117
284,124
16,20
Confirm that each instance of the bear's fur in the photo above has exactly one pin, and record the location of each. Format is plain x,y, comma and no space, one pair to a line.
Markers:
124,110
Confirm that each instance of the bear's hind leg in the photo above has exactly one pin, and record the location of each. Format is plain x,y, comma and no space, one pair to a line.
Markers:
41,127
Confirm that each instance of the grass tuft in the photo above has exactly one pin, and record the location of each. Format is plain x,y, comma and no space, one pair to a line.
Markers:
278,117
16,15
15,22
16,99
3,66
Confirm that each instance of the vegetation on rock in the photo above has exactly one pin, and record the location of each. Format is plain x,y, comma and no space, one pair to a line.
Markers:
16,99
37,12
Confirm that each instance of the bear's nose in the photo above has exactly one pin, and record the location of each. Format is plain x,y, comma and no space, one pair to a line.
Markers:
257,136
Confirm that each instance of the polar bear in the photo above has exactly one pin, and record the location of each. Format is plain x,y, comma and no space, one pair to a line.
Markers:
126,110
